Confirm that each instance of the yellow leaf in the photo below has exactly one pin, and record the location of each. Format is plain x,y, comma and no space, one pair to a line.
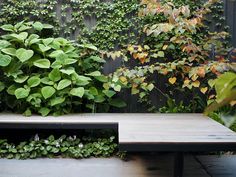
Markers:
164,47
204,89
172,80
123,79
232,103
130,48
194,77
196,83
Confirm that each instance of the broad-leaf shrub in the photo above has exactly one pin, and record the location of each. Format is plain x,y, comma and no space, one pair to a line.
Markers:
50,75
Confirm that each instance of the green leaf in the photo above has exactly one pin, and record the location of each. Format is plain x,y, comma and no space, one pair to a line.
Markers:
97,59
21,79
4,44
55,75
68,71
38,26
11,90
34,81
47,91
21,93
27,113
24,55
32,39
101,78
9,51
2,86
89,46
117,88
117,103
5,60
47,41
42,63
109,93
47,26
56,53
224,85
19,37
44,48
99,99
161,54
77,92
93,91
70,61
8,28
63,84
44,111
95,73
56,101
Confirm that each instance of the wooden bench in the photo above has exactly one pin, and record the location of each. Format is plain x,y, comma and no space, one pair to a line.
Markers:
177,133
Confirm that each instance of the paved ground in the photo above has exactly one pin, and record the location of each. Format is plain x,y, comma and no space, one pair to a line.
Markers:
148,165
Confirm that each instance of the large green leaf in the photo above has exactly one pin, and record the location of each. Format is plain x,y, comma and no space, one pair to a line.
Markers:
77,92
9,51
19,37
56,101
47,91
109,93
42,63
95,73
117,103
24,55
44,111
21,93
97,59
44,48
63,84
55,75
5,60
21,79
224,85
38,26
4,44
2,86
34,81
7,27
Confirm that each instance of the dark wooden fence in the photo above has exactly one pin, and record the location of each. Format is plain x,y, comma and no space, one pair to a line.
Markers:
230,14
156,98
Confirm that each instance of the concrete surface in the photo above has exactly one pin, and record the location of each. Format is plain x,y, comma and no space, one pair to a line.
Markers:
147,165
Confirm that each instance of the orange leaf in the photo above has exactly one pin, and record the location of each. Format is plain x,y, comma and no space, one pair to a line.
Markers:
201,72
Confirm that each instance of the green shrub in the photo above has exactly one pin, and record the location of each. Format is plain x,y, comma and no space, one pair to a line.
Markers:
50,75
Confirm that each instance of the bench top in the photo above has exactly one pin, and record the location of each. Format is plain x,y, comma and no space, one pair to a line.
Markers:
144,132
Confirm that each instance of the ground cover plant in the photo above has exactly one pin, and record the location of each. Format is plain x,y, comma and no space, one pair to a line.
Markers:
63,146
50,75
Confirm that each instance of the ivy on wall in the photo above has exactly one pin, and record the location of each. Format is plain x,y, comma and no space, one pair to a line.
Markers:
112,25
106,24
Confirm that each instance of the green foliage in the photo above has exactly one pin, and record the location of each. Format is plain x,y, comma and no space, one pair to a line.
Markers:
63,146
173,107
115,21
50,75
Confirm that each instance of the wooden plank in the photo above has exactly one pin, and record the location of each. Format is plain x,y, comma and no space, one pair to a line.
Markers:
142,131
